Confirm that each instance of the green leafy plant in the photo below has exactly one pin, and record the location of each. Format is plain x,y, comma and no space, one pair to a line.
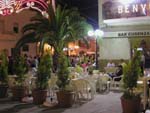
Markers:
78,69
62,26
20,69
90,69
3,69
44,71
131,73
63,72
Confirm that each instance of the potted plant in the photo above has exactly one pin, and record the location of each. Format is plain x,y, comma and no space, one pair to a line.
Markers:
3,75
90,69
20,69
65,94
131,100
43,76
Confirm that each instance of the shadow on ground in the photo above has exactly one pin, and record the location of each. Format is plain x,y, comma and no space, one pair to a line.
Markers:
9,106
16,108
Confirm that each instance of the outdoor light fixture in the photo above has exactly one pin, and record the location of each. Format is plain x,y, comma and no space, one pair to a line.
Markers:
97,33
90,33
8,7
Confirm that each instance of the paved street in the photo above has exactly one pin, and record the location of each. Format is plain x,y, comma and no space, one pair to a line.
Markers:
106,103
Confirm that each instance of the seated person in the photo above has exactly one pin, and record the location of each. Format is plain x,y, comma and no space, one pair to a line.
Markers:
122,63
110,64
118,73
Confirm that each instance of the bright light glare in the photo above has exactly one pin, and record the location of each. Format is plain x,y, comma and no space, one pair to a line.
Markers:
76,47
140,49
90,33
99,32
96,33
65,49
126,1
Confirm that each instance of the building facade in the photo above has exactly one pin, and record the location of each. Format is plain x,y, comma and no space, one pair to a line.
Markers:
10,31
124,23
12,20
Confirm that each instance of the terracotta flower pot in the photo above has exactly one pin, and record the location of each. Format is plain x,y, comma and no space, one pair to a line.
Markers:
65,98
3,91
39,96
19,93
130,105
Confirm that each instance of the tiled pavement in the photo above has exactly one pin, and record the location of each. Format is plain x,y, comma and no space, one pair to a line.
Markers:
106,103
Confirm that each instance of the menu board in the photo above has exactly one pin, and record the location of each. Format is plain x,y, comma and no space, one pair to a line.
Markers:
117,9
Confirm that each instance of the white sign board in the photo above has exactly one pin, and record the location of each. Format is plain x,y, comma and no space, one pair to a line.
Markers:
125,34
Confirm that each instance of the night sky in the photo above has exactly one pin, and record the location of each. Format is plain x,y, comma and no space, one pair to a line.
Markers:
87,8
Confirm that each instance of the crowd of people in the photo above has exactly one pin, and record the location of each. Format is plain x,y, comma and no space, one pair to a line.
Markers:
31,62
84,61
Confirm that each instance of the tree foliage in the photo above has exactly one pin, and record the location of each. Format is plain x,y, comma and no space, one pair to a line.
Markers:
3,68
20,68
57,29
63,72
44,71
131,73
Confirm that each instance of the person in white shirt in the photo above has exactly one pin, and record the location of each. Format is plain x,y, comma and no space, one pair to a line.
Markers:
110,64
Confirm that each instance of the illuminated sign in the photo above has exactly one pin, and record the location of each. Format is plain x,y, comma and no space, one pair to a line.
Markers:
134,8
129,34
115,9
132,34
8,7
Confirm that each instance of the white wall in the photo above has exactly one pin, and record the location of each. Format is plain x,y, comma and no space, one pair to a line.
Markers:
118,48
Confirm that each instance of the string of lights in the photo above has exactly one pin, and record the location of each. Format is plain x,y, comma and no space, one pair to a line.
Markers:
8,7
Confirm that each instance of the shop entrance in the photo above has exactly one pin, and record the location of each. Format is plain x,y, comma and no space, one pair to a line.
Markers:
144,47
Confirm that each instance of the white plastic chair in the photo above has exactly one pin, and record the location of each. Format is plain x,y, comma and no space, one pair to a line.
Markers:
95,71
92,85
117,84
11,81
30,82
83,89
52,86
103,83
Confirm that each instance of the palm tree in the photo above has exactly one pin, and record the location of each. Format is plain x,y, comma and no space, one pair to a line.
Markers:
57,29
